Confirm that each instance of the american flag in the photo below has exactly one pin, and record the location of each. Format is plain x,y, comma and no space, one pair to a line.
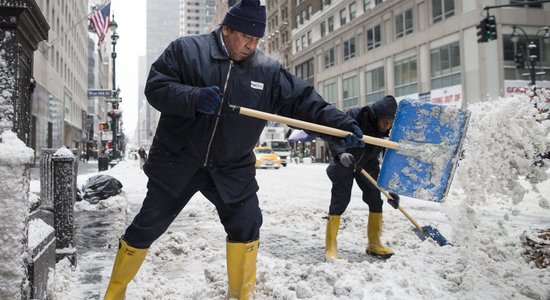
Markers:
100,19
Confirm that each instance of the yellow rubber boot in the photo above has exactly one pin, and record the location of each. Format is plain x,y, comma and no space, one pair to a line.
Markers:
331,245
241,269
374,233
127,262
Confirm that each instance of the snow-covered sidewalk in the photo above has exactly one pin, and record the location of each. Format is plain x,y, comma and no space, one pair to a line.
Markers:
188,262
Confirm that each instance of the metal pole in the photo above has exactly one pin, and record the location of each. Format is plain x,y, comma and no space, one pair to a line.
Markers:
115,103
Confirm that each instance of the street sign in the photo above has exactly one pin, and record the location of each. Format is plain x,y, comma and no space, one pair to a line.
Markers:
107,136
100,93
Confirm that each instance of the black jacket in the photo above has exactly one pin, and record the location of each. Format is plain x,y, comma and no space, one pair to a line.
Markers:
223,144
366,117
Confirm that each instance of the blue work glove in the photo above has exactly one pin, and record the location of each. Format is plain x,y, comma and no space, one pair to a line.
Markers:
347,160
395,202
353,140
208,100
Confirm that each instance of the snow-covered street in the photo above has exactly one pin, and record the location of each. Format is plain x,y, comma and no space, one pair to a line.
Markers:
483,217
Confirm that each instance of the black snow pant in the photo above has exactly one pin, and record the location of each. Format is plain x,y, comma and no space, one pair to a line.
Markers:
342,183
241,220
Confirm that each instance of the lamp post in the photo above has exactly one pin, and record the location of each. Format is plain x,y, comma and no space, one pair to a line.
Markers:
114,114
531,48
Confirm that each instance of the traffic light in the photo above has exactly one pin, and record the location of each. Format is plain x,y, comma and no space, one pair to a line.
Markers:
482,31
519,60
491,28
103,126
487,30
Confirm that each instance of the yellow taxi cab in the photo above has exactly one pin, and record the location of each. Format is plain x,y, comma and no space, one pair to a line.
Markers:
266,158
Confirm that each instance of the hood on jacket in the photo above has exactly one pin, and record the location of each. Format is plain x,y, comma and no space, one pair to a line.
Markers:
385,107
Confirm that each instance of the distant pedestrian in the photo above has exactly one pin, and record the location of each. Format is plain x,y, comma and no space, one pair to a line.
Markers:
142,157
84,157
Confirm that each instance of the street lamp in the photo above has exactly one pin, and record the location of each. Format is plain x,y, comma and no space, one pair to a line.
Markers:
531,49
114,114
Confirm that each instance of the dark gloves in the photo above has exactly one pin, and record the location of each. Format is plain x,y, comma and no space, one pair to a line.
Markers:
353,140
347,160
208,100
395,202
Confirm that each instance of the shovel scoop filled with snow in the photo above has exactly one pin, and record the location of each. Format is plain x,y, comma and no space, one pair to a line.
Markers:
430,139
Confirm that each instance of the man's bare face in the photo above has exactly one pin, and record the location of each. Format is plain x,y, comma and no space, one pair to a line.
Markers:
239,45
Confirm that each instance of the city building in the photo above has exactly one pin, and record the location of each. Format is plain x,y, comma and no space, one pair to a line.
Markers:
167,21
196,16
277,40
354,52
163,26
59,101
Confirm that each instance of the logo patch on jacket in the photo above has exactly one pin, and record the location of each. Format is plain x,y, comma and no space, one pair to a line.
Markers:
257,85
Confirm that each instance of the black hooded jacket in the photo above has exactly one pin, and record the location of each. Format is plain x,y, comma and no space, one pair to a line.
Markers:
367,117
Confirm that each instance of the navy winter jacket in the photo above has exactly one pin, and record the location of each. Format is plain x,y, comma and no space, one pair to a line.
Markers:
186,140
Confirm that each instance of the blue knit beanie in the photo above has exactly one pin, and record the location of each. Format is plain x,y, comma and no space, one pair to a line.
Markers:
248,17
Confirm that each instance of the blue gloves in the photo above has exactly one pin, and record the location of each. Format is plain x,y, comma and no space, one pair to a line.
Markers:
395,202
353,140
208,100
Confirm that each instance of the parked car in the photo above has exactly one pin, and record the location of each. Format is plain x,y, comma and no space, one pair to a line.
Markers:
266,158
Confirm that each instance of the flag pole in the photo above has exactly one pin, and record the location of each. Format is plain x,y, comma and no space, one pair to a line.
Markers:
49,45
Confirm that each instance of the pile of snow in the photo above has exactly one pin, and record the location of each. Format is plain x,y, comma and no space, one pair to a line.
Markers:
497,196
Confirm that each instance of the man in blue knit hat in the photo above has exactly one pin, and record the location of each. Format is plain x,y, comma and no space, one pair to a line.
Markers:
199,147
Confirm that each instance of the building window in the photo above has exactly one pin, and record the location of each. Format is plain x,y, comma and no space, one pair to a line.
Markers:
323,29
305,71
375,84
330,24
374,39
352,11
406,77
445,66
350,92
343,17
330,93
329,58
324,3
349,48
404,23
442,9
297,45
366,5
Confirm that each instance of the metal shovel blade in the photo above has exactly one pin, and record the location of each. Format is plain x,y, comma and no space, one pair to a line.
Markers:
430,138
433,233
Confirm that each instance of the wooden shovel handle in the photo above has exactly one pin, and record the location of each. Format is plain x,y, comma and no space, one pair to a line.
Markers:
310,126
367,175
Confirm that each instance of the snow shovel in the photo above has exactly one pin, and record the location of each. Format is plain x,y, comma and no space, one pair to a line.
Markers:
422,232
430,139
438,131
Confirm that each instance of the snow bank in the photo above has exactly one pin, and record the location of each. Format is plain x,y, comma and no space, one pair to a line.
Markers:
14,204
